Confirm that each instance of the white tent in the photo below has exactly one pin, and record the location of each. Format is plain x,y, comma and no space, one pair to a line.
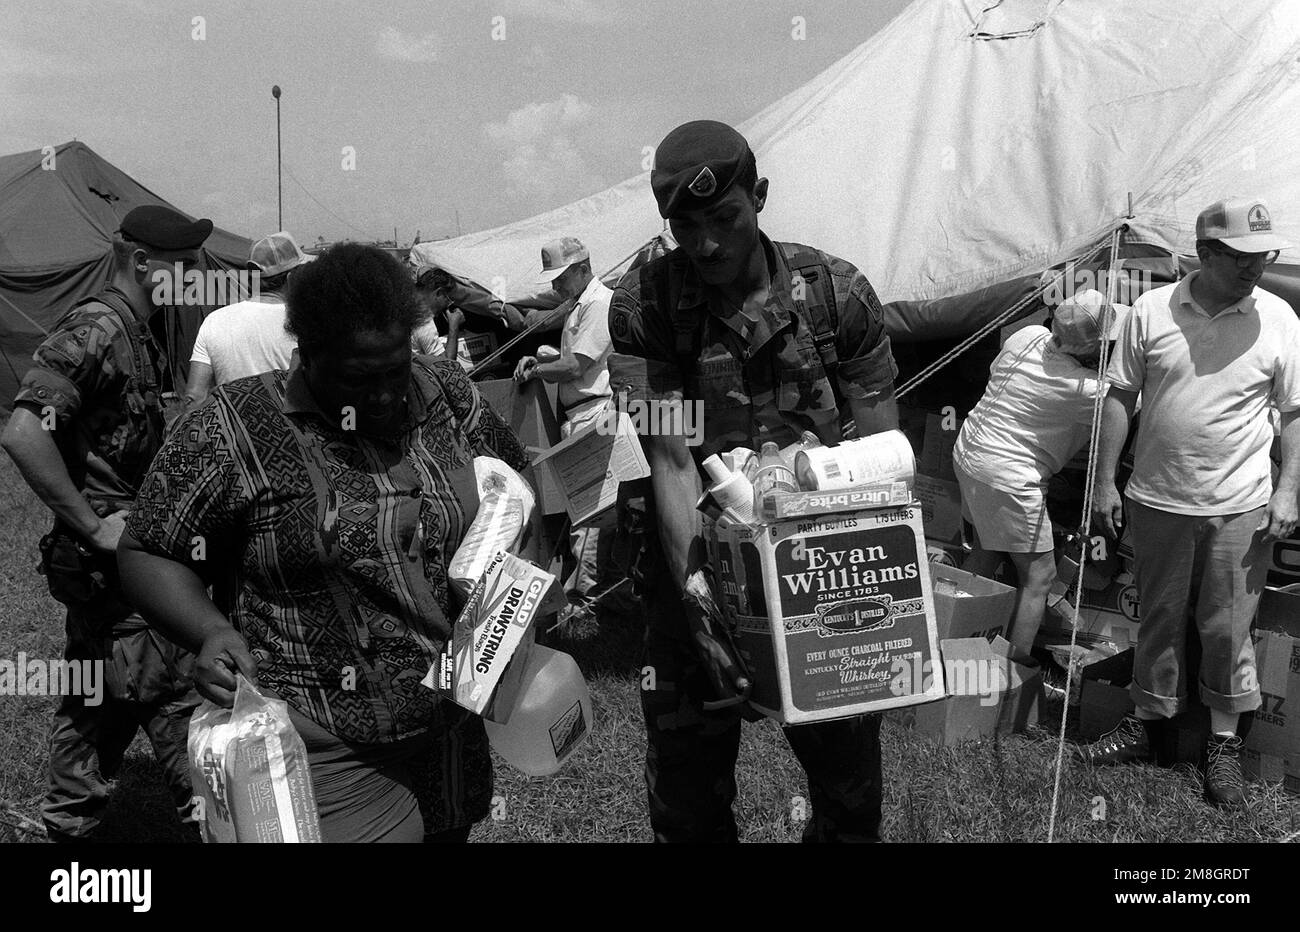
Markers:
963,146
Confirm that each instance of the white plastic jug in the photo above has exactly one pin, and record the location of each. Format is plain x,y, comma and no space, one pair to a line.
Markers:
551,717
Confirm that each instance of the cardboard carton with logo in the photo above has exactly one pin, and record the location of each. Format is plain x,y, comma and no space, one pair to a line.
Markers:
1108,613
831,612
1272,745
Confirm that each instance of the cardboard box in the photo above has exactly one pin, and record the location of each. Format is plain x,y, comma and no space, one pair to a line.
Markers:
1104,700
529,409
936,450
985,613
1109,614
591,463
1279,610
940,508
1272,746
987,693
1103,694
832,614
1284,568
481,667
778,506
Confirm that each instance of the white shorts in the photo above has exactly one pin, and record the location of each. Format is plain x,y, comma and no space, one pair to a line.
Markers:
1005,522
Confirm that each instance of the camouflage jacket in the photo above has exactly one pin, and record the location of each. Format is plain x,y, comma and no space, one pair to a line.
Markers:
97,384
755,380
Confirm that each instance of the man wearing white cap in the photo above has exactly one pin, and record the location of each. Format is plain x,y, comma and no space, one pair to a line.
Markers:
248,338
581,375
1210,355
1035,415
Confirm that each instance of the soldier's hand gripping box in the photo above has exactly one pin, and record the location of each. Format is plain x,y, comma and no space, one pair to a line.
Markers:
831,613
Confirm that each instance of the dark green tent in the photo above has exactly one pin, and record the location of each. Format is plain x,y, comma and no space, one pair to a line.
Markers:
58,213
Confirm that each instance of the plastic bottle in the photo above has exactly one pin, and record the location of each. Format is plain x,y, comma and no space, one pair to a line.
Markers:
551,717
773,475
809,441
730,490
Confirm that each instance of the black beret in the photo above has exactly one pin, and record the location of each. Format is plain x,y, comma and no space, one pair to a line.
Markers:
695,165
164,227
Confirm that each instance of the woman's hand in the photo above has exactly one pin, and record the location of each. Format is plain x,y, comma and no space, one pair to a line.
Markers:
223,654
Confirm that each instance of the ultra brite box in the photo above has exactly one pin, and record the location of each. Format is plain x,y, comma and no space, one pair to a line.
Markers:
831,611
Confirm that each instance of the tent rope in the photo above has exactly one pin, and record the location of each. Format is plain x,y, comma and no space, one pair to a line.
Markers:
994,324
496,354
1085,525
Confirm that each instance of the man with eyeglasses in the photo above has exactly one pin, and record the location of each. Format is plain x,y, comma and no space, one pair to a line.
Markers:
1210,356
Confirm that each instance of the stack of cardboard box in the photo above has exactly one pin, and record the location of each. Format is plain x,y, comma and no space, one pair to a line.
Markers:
986,690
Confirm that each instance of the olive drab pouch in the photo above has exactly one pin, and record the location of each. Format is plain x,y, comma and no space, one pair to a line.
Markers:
74,574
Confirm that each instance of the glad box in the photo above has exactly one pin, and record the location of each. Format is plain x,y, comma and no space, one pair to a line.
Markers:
483,664
831,613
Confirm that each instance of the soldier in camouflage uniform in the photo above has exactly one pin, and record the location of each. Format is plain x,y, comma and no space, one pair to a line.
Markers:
773,339
87,421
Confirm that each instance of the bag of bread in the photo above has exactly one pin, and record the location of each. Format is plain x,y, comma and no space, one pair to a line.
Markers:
504,510
250,774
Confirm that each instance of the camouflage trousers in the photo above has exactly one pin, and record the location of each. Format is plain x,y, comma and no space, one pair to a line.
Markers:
690,768
146,683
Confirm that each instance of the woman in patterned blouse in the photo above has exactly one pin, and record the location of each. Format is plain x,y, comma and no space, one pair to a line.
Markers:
323,504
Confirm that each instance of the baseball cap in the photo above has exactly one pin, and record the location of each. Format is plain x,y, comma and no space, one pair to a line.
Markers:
695,165
558,255
164,227
276,254
1076,323
1240,223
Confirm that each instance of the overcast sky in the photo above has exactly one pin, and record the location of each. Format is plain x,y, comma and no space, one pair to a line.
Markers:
441,116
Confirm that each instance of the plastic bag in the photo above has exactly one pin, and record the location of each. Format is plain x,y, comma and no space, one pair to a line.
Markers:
505,507
250,773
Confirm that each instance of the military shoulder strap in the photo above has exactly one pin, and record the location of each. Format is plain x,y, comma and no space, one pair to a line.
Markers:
819,308
117,303
817,305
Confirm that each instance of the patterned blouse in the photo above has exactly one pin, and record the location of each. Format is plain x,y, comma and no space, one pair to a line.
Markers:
328,550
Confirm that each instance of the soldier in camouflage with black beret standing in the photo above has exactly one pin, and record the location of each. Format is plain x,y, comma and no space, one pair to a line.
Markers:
87,421
772,339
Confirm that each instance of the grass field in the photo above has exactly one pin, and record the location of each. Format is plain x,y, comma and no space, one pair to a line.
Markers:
998,790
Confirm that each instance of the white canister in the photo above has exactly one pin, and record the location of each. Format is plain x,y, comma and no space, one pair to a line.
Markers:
883,457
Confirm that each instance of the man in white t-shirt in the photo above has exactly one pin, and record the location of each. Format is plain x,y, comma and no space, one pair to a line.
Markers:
1210,355
581,375
1034,416
247,338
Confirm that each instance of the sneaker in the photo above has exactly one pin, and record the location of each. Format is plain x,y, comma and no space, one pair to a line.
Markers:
1127,742
1224,784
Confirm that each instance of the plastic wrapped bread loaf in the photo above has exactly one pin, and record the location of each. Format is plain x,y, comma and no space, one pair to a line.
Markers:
504,510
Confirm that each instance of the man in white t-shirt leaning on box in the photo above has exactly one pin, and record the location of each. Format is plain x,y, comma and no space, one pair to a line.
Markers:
248,337
1034,416
1209,355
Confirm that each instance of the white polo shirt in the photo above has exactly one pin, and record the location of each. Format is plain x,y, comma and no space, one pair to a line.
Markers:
586,334
1207,384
